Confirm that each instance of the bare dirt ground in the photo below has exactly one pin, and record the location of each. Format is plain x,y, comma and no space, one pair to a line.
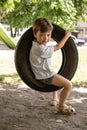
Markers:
22,108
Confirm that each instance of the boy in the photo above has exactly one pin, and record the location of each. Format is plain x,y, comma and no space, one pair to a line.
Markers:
40,59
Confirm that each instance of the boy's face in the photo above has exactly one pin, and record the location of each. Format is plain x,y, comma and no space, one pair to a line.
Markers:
43,38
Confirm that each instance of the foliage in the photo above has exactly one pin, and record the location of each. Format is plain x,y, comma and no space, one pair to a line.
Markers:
62,12
25,12
7,6
81,8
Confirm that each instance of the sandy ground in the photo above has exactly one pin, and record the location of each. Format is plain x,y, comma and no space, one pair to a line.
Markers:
22,108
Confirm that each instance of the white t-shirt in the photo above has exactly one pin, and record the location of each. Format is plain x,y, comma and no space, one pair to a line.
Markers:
40,60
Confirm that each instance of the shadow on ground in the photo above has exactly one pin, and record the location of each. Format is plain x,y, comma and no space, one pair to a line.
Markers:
22,108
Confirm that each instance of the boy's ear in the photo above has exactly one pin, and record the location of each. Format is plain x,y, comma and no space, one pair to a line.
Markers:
34,35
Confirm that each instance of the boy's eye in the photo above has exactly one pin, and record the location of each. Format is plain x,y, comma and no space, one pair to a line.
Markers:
48,35
41,35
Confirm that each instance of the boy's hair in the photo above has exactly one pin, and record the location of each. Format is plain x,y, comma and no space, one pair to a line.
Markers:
43,25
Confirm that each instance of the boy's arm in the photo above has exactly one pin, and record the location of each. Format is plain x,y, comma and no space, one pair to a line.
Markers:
63,41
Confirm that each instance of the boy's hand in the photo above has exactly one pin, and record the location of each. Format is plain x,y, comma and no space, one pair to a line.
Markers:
63,40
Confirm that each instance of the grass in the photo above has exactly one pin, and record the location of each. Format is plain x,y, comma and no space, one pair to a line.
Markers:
12,78
80,77
8,73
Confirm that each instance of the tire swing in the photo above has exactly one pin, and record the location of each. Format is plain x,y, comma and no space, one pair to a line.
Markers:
69,59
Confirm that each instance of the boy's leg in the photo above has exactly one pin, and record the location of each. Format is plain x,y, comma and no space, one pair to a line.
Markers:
54,95
59,80
54,100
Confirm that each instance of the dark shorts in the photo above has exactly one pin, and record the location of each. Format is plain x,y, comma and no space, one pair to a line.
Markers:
47,81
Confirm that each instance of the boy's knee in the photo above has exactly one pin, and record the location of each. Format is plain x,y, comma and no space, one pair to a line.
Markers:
69,86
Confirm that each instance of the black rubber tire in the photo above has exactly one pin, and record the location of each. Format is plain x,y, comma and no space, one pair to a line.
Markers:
69,60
